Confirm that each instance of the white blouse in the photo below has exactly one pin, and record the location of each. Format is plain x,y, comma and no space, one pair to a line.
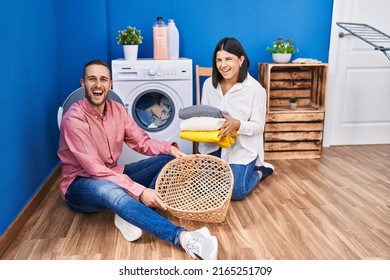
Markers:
246,102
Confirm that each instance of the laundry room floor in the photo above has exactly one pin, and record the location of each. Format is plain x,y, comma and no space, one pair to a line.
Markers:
335,208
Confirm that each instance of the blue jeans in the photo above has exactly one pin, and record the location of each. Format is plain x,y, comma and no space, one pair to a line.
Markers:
246,178
91,195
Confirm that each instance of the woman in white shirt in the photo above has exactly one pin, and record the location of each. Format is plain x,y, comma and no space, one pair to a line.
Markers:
233,90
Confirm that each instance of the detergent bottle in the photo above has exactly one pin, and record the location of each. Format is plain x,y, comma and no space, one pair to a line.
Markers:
173,40
160,40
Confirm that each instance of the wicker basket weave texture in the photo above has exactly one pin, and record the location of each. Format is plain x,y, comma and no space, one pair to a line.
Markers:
197,187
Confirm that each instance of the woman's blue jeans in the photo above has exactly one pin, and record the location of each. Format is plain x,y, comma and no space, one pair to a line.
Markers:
91,195
246,178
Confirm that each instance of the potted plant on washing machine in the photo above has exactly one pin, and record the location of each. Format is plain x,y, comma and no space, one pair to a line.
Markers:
130,38
282,50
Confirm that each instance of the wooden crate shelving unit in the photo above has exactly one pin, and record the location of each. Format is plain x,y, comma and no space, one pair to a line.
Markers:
298,133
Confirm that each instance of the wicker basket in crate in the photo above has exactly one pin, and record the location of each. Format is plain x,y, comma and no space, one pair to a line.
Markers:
197,187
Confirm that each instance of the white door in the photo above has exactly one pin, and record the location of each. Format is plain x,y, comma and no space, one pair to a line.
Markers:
358,104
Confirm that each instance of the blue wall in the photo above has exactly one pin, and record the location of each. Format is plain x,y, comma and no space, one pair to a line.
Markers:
45,44
29,91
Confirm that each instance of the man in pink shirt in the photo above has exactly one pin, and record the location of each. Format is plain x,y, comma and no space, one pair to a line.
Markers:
92,134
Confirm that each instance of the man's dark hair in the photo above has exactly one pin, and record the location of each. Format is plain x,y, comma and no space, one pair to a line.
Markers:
95,62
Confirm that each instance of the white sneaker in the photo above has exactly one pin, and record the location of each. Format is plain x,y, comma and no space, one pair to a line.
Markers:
129,231
200,244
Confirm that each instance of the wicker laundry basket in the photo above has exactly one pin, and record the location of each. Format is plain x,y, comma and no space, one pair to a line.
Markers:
197,187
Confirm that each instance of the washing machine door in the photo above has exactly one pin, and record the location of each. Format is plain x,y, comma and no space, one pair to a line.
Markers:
154,107
77,95
153,110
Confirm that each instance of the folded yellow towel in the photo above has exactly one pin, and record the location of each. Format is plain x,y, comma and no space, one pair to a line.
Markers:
209,136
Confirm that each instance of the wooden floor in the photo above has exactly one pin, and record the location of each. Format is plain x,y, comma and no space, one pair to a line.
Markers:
337,207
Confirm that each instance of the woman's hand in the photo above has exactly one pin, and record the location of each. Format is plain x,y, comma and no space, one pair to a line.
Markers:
176,152
230,125
151,198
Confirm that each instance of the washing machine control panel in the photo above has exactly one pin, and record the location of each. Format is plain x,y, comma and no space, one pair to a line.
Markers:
163,72
152,70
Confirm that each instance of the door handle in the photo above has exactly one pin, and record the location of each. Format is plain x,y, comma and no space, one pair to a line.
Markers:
342,34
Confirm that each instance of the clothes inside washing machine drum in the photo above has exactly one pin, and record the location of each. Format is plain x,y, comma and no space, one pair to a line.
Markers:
153,112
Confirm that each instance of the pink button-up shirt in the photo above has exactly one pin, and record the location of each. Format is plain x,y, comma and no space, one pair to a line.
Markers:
90,145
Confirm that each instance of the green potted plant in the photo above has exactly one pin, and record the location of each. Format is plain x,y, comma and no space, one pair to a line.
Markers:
130,38
282,50
293,102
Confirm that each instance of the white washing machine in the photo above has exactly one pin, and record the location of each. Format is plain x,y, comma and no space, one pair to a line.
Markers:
153,91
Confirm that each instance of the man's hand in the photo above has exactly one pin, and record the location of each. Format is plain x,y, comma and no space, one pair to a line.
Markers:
176,152
151,198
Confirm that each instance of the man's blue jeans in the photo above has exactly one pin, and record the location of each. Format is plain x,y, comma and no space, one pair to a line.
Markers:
90,195
246,178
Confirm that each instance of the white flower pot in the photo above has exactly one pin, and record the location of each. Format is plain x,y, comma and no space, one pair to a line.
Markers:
131,52
293,105
281,57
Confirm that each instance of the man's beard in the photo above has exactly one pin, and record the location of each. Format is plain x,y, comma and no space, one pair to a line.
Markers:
93,102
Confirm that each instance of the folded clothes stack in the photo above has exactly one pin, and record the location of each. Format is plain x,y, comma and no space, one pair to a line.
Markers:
202,123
